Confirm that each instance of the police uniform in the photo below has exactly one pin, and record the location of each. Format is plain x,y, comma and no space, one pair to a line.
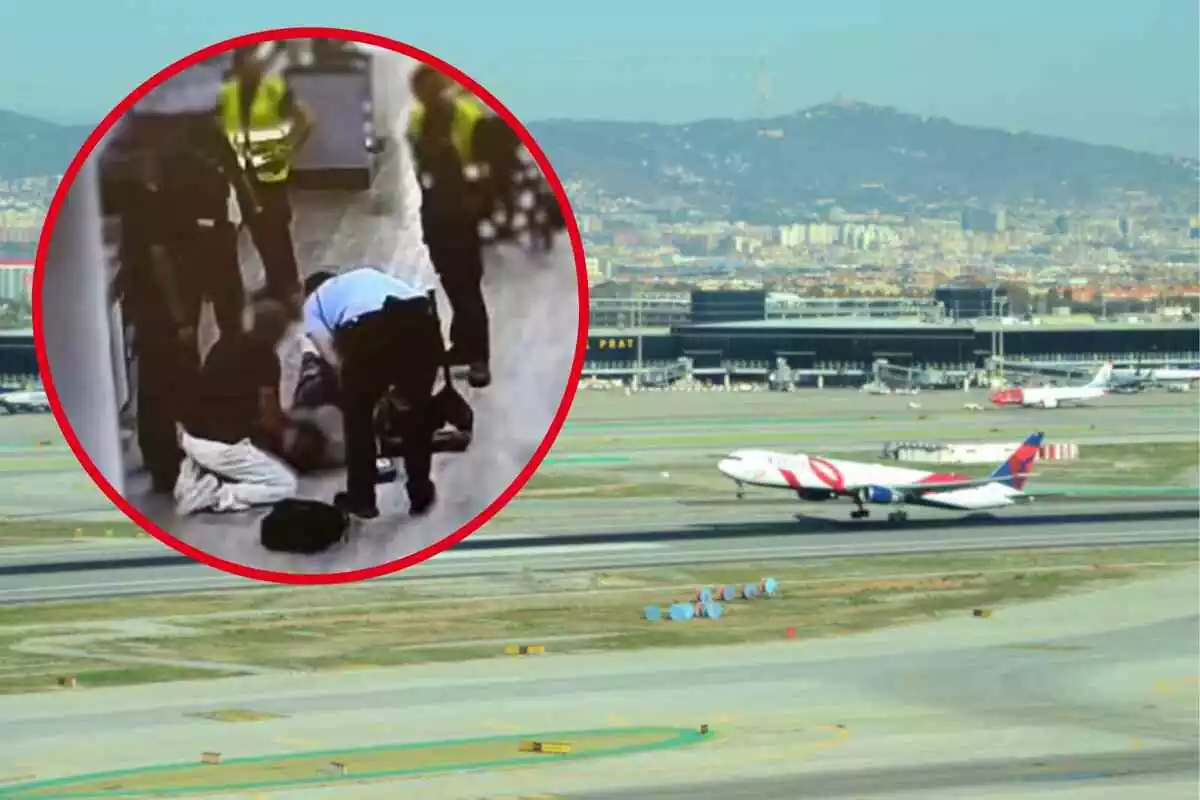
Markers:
386,337
178,246
443,144
259,127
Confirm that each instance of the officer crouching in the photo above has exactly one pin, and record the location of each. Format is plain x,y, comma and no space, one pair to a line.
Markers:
379,334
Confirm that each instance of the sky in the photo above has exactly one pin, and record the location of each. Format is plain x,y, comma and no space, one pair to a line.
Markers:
1123,72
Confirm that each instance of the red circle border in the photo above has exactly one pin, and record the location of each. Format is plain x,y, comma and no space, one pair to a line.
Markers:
137,516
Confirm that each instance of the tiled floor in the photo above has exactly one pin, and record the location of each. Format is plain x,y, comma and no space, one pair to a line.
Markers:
533,301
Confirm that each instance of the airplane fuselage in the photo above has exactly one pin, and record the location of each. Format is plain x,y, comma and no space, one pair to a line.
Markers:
19,402
818,479
1046,397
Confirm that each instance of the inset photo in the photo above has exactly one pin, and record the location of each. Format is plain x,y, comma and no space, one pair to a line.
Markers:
310,305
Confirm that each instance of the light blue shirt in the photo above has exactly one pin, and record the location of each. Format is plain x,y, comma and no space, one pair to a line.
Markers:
349,295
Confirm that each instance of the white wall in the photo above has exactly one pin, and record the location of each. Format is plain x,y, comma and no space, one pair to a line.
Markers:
76,320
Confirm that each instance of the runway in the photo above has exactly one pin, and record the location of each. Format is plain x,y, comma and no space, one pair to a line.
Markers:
137,568
1093,694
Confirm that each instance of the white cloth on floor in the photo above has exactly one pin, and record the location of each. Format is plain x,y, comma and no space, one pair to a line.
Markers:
216,476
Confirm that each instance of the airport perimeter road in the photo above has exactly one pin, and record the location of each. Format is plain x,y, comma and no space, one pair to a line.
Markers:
1095,690
112,570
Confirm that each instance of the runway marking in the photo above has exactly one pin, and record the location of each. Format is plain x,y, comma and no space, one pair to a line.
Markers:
1177,686
519,552
840,735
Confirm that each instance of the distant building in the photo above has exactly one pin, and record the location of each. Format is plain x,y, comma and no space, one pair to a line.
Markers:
983,220
16,282
1125,227
728,306
970,302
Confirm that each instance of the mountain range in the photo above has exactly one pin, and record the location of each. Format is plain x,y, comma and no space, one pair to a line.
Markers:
35,148
857,156
860,157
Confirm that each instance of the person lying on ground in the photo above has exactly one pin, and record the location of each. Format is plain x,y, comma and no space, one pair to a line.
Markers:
320,443
236,426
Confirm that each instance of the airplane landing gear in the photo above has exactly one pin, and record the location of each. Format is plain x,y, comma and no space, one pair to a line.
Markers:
860,512
741,491
898,516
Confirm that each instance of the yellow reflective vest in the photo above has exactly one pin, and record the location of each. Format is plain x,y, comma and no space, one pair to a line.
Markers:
267,151
468,111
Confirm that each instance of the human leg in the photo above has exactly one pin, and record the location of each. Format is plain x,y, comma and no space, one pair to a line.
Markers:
248,476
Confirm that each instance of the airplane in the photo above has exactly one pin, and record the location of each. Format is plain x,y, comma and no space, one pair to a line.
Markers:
1054,396
818,479
1170,377
24,402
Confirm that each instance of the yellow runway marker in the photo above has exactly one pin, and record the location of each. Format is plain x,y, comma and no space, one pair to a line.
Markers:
840,735
1177,685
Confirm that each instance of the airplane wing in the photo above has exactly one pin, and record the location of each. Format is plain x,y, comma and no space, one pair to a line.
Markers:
944,486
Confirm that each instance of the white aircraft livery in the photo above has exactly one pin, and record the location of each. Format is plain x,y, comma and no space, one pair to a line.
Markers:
24,402
818,479
1054,396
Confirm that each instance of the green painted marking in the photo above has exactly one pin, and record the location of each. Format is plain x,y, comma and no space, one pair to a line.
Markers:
672,738
1117,490
561,461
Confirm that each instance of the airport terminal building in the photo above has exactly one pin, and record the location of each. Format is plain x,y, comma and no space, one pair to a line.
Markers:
736,333
18,358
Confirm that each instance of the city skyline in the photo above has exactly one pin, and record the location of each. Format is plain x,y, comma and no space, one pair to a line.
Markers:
1125,77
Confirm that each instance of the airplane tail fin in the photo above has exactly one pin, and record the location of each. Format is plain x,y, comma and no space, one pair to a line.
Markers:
1016,468
1102,378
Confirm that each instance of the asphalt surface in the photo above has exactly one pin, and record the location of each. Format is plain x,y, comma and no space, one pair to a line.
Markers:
1094,694
146,567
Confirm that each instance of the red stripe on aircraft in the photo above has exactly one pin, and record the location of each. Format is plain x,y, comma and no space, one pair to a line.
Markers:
791,478
828,474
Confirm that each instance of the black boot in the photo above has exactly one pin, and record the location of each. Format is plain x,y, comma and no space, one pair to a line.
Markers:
421,497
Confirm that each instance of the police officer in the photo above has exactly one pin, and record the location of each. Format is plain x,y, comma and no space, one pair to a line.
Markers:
380,334
173,170
267,124
442,129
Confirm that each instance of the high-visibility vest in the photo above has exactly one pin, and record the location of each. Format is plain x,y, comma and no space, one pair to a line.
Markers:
467,113
267,151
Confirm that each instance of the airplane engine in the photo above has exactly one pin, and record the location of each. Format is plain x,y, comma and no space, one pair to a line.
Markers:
815,495
879,494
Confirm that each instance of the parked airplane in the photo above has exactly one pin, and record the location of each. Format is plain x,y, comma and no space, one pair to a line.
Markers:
1054,396
1170,377
818,479
25,402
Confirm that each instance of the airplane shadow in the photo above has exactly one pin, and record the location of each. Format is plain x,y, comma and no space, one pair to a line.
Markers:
809,526
801,526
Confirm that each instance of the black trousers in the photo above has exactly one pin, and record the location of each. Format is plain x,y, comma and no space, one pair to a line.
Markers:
271,232
398,347
457,254
213,273
205,267
167,368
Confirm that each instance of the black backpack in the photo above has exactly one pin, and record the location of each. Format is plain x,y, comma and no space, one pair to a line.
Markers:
306,527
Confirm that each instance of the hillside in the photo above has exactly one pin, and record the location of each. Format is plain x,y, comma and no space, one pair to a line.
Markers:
31,147
861,156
